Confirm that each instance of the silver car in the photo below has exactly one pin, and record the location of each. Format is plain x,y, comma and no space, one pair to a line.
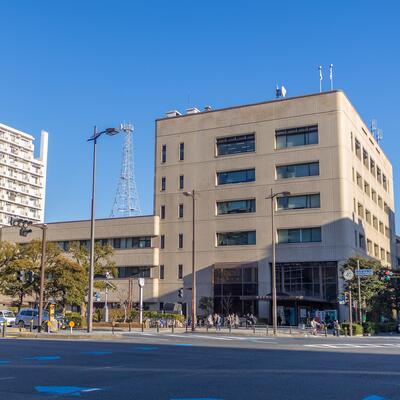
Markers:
26,315
8,317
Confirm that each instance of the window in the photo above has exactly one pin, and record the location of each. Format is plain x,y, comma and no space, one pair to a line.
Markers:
162,242
164,153
368,216
298,202
181,151
381,227
180,271
372,166
365,158
140,242
162,272
236,144
181,181
378,174
299,235
297,170
296,136
376,250
117,243
380,203
236,206
360,210
375,222
388,257
367,188
137,272
361,240
383,254
386,208
373,195
180,211
359,180
244,175
236,238
387,232
162,212
358,149
384,182
180,241
369,246
163,183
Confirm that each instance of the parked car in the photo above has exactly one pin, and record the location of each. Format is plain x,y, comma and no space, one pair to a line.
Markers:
26,315
8,317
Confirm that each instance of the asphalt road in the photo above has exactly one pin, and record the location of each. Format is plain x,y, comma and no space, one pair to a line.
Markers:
188,367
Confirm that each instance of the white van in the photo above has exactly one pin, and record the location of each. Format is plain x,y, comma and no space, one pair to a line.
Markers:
8,316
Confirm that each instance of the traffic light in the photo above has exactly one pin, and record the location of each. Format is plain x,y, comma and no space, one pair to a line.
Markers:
387,274
23,224
180,293
21,276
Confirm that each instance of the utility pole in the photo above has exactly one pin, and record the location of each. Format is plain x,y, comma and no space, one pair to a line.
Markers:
350,314
42,276
359,294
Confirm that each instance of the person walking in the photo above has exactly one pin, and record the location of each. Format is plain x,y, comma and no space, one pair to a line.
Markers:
336,328
314,326
218,322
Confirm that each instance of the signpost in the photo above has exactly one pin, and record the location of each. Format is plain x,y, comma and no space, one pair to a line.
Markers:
71,325
364,272
141,285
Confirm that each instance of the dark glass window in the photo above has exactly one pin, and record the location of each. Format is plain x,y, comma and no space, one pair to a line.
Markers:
162,212
139,242
181,181
180,271
162,272
164,153
163,183
181,151
297,170
236,238
296,136
236,206
117,243
180,241
139,272
180,211
244,175
236,144
298,202
162,241
299,235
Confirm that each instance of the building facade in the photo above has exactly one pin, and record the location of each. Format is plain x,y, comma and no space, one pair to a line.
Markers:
339,203
22,176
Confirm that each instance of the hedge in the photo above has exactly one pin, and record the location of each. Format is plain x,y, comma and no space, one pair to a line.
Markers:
357,328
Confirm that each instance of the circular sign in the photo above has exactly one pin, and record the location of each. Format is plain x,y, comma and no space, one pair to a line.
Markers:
348,274
71,324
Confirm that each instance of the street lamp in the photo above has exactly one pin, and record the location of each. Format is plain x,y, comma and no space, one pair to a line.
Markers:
272,197
193,196
96,135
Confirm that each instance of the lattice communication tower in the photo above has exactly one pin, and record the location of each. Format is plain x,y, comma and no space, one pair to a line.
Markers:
126,202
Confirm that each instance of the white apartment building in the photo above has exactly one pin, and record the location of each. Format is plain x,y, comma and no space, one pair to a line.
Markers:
22,176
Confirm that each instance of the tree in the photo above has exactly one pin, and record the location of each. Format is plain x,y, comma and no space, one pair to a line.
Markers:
227,303
372,287
206,304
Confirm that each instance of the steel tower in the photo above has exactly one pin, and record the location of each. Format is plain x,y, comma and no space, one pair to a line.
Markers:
126,202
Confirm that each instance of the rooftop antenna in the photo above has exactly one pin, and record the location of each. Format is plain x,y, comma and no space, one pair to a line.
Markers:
280,92
376,132
126,202
320,78
331,75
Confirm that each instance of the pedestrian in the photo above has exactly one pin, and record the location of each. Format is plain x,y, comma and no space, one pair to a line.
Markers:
218,322
314,326
279,320
210,321
236,321
336,328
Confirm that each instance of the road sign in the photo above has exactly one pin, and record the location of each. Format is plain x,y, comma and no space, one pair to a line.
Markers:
364,272
141,282
342,299
71,324
348,274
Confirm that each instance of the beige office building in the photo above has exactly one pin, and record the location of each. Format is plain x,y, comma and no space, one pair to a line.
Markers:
315,147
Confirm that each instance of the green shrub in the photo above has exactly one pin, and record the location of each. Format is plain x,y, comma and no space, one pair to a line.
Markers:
159,315
80,322
369,328
357,328
116,314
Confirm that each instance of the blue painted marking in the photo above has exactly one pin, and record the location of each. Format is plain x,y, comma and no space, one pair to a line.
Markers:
44,358
374,397
97,353
3,362
187,345
71,390
146,348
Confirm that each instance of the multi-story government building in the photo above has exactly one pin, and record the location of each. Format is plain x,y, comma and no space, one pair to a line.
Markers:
22,176
315,147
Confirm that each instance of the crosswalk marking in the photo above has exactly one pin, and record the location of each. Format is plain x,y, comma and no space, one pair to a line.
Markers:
354,345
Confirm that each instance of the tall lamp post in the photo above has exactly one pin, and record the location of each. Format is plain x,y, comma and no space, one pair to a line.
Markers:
192,194
272,197
96,135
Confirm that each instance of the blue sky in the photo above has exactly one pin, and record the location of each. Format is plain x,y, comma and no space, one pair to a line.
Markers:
68,65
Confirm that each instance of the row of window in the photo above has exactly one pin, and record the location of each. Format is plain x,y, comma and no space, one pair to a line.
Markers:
179,272
292,202
245,238
137,242
245,143
164,183
371,248
369,163
371,219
